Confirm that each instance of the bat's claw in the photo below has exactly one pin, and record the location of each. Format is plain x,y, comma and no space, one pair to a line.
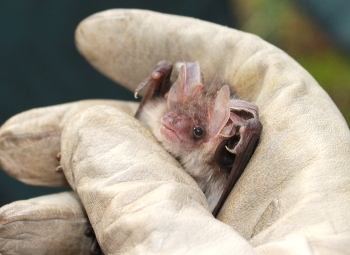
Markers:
160,85
59,169
142,85
155,75
58,157
95,247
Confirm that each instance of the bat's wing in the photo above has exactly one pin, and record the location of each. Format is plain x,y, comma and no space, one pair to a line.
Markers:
160,79
240,147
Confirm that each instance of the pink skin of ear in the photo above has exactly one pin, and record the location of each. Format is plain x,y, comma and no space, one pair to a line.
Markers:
221,112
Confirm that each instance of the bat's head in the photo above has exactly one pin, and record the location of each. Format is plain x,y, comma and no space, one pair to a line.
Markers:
196,117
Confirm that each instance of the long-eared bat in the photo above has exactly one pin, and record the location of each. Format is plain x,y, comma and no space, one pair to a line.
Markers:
212,133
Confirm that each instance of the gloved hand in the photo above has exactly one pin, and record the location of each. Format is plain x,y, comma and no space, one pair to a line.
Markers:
291,199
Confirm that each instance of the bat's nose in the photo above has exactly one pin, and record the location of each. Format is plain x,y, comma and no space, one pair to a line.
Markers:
172,120
175,120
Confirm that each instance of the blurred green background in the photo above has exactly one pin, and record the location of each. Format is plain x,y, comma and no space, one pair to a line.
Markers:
316,33
39,65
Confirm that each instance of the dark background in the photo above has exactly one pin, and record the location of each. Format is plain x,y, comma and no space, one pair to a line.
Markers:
40,66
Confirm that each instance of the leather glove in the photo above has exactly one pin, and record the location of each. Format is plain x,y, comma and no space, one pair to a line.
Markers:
291,199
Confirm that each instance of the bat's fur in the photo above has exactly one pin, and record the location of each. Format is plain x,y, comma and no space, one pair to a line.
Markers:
198,158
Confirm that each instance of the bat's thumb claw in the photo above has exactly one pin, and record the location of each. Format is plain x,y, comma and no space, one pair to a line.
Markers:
233,151
59,169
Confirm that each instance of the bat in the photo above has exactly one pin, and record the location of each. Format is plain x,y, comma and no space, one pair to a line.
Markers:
206,127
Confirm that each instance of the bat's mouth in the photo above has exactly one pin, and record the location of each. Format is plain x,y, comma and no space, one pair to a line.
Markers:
169,134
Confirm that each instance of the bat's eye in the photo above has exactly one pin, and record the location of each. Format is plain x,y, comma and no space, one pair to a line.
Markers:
198,131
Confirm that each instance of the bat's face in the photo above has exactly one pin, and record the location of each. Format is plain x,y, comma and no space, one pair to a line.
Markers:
191,117
185,127
195,117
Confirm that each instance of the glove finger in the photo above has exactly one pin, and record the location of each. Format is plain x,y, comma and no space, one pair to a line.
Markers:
30,141
52,224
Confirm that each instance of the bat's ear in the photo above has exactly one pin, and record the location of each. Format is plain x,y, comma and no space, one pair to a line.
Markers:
189,84
244,109
219,118
240,111
193,83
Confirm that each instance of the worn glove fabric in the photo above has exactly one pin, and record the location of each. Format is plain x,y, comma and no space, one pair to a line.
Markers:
30,141
294,195
52,224
292,198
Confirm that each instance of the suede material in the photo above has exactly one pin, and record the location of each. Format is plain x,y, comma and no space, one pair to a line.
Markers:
297,183
52,224
293,197
31,140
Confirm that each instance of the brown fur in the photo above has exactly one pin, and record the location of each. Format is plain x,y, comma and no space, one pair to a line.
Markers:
198,161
